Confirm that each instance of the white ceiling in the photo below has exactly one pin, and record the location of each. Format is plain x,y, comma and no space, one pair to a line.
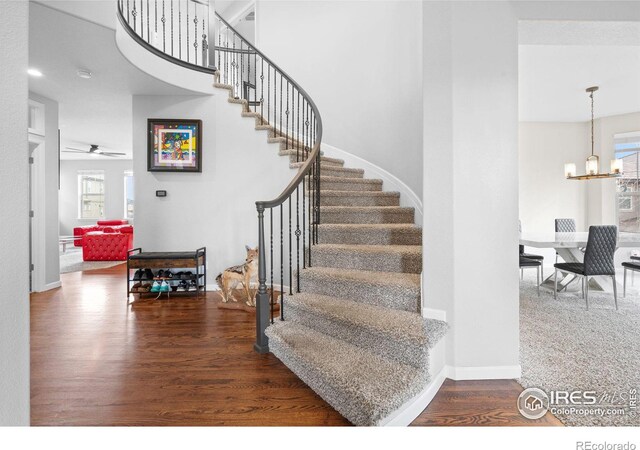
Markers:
95,111
559,60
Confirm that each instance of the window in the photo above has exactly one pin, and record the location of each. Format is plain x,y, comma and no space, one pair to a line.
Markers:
627,148
91,194
128,194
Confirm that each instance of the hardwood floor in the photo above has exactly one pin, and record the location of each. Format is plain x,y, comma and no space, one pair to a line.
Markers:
183,361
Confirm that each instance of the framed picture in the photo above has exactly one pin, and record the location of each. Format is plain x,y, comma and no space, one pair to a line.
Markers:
174,145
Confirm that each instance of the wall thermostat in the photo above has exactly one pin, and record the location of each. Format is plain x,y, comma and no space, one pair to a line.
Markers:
161,193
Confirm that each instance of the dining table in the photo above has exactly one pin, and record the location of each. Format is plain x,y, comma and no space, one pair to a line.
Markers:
570,247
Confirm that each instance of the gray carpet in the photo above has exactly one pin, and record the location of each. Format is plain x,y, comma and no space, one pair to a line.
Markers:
71,261
565,347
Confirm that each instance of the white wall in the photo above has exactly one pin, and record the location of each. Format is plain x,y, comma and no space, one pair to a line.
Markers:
215,208
48,186
14,239
114,191
361,64
470,170
545,194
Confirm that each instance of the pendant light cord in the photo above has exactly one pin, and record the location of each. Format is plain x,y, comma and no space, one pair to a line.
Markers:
592,142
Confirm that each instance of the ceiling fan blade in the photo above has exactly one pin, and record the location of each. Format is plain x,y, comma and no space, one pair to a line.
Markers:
70,150
112,153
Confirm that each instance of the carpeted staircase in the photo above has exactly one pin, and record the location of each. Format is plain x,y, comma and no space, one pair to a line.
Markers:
355,334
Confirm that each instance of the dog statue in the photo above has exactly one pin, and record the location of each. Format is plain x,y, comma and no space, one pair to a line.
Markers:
241,274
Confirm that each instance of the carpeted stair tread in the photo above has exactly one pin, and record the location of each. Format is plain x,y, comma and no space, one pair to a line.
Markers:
394,334
370,234
292,153
366,214
358,198
387,289
394,324
329,170
362,386
383,258
349,184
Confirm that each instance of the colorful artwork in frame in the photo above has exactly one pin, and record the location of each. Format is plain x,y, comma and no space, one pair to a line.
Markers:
174,145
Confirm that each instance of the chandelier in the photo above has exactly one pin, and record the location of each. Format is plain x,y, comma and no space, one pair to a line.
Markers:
593,162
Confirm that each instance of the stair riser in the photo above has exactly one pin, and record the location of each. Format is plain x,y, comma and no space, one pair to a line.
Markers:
388,296
349,186
365,217
359,200
404,352
370,237
327,172
381,262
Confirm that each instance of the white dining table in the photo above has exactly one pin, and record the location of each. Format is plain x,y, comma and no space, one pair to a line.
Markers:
569,246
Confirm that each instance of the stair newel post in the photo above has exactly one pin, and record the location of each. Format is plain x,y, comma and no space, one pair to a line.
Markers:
262,297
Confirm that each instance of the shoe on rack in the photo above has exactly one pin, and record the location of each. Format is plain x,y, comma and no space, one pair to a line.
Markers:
168,274
187,275
160,273
164,286
155,287
136,287
148,274
138,274
146,287
183,286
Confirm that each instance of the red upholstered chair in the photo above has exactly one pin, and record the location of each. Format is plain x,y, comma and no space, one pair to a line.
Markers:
101,246
99,226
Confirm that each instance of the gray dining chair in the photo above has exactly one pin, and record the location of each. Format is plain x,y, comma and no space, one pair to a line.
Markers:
598,260
565,226
633,266
526,263
530,256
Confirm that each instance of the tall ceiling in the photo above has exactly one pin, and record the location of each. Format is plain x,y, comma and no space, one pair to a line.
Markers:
96,110
558,60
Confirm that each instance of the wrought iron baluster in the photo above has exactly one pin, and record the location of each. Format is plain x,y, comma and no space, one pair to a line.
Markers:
128,16
134,13
261,91
262,297
205,45
164,34
171,15
287,121
298,237
304,225
280,104
180,30
148,28
219,44
290,267
195,33
282,290
271,260
268,93
298,129
187,27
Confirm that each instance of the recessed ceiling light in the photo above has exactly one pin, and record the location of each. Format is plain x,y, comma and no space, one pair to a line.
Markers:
83,73
34,72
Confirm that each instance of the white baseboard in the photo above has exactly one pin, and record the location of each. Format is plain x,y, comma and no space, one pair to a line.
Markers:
408,412
390,182
437,314
484,373
49,286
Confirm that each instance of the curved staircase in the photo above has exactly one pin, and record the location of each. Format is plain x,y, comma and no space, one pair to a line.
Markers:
351,325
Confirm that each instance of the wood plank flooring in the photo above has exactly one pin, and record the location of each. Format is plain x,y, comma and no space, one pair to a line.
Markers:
183,361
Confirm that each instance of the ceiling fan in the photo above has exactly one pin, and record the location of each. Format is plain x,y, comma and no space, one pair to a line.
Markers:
93,150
